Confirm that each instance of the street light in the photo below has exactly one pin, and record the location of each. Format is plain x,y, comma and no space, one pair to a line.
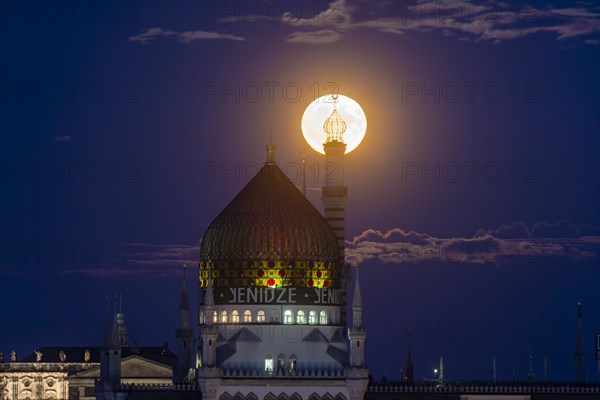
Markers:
435,372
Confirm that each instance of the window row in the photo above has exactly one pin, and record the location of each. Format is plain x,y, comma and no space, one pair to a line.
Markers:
288,317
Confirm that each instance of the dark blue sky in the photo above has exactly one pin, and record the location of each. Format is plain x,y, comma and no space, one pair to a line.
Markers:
473,200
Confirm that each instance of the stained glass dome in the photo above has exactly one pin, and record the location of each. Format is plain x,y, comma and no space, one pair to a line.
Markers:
270,235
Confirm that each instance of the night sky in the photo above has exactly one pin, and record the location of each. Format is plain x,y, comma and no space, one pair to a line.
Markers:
473,199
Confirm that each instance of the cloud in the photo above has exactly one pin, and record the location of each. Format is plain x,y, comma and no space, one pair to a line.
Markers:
184,37
190,36
325,36
150,34
63,138
491,21
510,243
337,13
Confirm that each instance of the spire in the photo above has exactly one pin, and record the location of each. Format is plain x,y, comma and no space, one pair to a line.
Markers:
357,301
579,355
106,327
184,304
530,374
270,154
334,126
409,367
357,304
116,341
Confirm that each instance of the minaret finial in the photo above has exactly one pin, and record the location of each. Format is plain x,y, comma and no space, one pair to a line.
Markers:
271,154
334,126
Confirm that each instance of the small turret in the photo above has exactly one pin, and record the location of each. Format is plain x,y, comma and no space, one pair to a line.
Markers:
183,337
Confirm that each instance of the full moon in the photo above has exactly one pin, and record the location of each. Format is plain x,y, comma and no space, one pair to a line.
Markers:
317,112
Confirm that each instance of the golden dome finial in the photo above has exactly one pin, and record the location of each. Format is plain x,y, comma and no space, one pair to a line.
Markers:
334,126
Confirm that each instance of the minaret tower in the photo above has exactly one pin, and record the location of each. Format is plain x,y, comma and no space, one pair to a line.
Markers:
121,326
579,355
183,336
334,193
357,334
357,373
409,367
208,375
110,360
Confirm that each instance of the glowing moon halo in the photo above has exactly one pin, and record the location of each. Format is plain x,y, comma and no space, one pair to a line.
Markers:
317,112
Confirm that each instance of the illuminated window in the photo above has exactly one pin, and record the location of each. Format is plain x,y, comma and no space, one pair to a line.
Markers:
247,316
293,363
235,317
300,317
312,317
260,317
224,316
269,363
323,317
287,317
215,318
201,317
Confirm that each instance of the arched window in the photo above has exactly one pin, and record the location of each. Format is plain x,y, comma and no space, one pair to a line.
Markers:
314,396
300,317
260,317
282,396
247,316
269,363
312,317
274,315
224,316
238,396
201,317
340,396
288,317
323,317
215,318
295,396
251,396
280,363
235,317
293,359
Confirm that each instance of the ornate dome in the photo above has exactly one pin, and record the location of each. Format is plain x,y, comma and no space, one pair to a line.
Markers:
270,235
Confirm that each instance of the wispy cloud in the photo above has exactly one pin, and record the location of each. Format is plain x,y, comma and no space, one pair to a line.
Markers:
151,34
490,21
324,36
190,36
516,243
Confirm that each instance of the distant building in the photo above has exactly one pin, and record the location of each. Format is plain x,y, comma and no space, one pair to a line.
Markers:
68,373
